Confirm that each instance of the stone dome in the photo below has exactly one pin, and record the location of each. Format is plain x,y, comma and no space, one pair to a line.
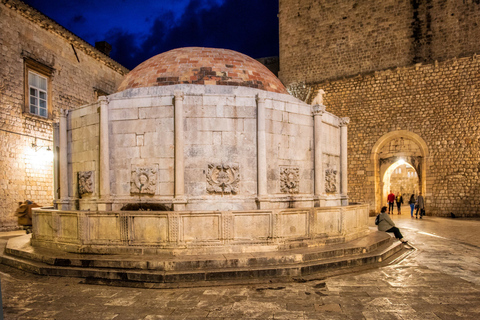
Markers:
207,66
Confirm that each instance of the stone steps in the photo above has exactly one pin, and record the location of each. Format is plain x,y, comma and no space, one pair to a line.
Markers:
372,249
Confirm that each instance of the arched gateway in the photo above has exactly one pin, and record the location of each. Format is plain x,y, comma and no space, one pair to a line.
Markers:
391,150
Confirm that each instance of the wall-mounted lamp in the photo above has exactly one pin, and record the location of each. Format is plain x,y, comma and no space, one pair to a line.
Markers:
37,147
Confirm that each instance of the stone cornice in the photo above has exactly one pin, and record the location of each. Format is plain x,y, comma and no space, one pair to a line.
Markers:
53,27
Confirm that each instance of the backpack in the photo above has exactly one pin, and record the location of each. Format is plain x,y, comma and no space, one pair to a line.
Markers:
377,220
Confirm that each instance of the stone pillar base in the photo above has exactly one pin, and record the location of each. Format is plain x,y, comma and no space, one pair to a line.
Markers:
344,200
319,201
63,204
104,206
263,203
179,204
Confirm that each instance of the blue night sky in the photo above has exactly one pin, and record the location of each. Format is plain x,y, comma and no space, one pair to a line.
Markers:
138,30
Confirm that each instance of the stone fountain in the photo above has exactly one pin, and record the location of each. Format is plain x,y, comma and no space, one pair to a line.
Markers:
217,153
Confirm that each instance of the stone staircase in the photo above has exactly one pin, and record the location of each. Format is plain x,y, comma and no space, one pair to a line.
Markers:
170,269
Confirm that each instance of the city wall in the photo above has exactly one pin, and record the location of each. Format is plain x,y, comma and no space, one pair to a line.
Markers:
439,103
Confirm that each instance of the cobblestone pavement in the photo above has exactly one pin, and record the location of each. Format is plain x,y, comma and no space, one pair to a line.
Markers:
439,280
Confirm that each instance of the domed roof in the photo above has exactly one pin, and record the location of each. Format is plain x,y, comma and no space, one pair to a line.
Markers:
202,66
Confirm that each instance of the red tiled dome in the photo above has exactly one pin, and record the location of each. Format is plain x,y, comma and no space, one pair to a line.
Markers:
202,66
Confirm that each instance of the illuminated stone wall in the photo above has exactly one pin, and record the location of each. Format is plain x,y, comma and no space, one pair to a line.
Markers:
439,103
394,66
322,40
79,74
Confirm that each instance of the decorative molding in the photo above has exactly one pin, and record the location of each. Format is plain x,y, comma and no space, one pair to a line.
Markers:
85,182
344,121
260,97
144,180
299,90
330,180
289,179
124,221
179,95
223,178
173,227
318,109
227,225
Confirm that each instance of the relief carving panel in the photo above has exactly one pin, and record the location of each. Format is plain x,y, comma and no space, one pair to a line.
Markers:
330,181
143,180
85,182
289,179
223,178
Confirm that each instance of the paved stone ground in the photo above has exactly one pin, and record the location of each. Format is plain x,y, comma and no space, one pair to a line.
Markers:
439,280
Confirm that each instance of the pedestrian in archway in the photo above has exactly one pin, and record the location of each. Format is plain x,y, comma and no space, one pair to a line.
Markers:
399,201
391,201
420,206
386,224
411,202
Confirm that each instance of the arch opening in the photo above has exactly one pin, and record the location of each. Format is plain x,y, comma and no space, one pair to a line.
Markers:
400,178
393,151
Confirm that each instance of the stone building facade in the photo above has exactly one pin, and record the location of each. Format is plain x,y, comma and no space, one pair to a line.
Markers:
43,68
407,74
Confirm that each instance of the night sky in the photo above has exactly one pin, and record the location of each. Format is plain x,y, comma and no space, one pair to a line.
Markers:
138,30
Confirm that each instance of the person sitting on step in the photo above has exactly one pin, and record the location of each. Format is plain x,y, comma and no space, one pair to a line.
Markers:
386,224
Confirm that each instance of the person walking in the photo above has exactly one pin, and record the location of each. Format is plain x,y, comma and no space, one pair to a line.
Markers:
420,206
386,224
411,202
390,200
399,201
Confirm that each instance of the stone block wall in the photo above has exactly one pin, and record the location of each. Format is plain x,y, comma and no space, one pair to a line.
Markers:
142,137
289,135
220,131
84,141
324,39
219,169
439,103
79,72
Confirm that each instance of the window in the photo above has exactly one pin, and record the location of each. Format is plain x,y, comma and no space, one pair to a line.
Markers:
37,88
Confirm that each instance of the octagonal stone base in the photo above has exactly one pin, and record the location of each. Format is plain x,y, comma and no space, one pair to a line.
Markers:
197,232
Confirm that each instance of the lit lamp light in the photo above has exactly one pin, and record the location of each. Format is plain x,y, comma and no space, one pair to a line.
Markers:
401,161
37,147
39,157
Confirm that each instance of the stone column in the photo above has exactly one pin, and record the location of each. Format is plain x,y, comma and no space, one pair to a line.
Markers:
56,164
343,160
105,203
319,181
63,162
179,201
261,153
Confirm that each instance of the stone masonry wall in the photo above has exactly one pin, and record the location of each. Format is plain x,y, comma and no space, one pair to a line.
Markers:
77,74
323,39
440,103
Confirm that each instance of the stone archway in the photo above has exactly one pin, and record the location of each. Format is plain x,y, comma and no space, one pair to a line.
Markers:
400,178
392,147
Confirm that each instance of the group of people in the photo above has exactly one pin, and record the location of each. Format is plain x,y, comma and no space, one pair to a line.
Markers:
385,223
418,204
